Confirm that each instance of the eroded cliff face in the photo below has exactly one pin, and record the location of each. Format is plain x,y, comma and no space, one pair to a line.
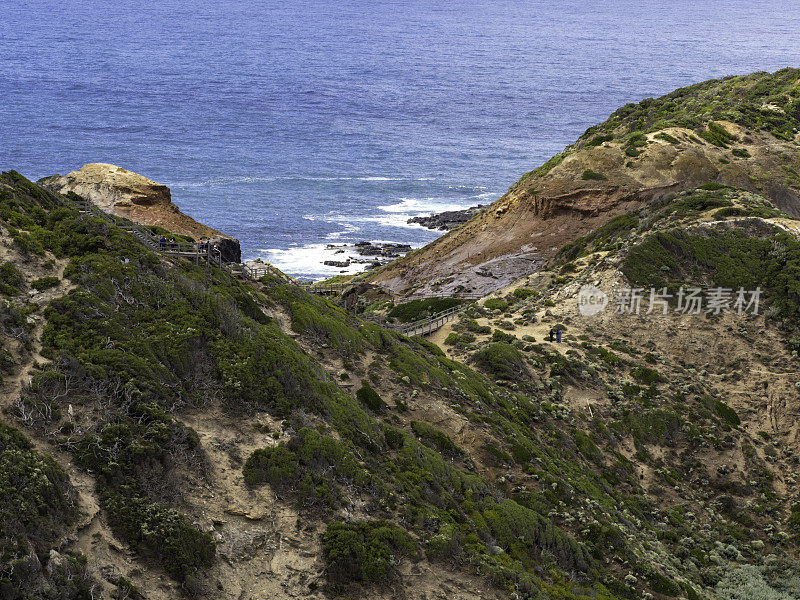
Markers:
583,188
142,200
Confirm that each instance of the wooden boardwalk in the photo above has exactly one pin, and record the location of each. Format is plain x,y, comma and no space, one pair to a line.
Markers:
207,253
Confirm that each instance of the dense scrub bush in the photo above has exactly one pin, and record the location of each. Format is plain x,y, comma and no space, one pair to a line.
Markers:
421,309
524,533
501,336
495,304
369,397
37,503
523,293
307,467
695,203
502,360
459,339
153,528
599,140
44,283
472,326
716,134
364,552
723,411
590,175
36,498
663,135
656,426
10,279
646,375
433,438
548,166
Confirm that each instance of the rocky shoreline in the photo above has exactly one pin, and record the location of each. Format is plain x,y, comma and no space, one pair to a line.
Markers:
372,254
450,219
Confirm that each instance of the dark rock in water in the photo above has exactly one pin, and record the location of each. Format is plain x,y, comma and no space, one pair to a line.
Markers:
445,221
337,263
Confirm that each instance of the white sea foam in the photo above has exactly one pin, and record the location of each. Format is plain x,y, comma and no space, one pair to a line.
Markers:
307,260
417,206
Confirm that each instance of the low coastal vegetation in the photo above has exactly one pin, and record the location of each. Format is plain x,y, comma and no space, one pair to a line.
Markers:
760,101
595,467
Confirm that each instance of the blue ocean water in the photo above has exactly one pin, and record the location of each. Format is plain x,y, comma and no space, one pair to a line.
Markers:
294,124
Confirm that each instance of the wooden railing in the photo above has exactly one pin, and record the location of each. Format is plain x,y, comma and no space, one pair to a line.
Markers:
430,324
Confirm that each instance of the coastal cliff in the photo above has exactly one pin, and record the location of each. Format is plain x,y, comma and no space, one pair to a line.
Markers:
142,200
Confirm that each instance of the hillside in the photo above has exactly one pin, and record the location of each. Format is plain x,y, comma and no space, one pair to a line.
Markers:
740,131
168,430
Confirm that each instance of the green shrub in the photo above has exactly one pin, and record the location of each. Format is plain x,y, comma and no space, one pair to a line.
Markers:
369,397
36,498
433,438
501,336
277,466
456,339
307,468
664,585
603,238
590,175
472,326
495,304
548,166
739,99
599,139
502,360
725,412
646,375
156,529
717,135
586,446
524,534
743,258
364,552
10,279
521,453
44,283
740,152
523,293
663,135
420,309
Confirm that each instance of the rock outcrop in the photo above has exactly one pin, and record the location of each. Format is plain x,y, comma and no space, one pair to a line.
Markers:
142,200
449,219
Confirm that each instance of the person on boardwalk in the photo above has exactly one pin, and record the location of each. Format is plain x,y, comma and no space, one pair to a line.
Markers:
162,242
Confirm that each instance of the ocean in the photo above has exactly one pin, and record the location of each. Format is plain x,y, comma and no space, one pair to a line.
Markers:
293,125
